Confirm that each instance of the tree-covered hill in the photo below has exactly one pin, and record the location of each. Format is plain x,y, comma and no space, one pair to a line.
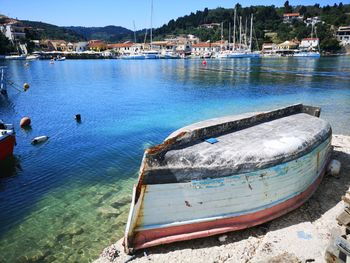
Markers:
266,19
40,30
107,33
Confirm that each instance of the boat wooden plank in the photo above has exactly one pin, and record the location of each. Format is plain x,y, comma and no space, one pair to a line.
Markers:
223,201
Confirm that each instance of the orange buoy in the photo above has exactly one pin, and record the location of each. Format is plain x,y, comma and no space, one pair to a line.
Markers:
204,62
25,122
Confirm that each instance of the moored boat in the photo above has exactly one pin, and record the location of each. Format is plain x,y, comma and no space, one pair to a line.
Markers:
7,140
133,56
16,57
312,54
59,58
227,174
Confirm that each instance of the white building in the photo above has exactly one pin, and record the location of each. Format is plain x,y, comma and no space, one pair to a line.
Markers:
80,46
343,35
14,31
269,49
311,21
290,17
309,43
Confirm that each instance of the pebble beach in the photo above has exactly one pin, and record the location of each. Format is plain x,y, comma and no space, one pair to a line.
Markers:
299,236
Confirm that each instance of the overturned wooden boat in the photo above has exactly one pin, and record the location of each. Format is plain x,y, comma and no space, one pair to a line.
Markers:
227,174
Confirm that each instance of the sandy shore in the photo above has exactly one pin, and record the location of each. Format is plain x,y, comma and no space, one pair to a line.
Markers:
300,236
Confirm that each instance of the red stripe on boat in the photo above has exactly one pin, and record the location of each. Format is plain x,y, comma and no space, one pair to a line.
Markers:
154,237
6,147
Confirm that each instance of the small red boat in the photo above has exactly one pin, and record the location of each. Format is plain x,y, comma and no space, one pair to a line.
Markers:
7,140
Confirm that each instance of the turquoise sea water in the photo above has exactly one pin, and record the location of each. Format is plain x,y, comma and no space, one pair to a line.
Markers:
67,199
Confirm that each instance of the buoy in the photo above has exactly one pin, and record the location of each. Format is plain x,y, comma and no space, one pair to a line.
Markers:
334,168
26,86
25,122
204,62
78,117
40,139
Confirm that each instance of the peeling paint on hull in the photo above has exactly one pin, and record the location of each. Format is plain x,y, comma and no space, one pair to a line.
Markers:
177,212
170,212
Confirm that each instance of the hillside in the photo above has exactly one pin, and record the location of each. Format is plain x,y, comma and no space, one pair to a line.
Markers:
107,33
40,30
266,19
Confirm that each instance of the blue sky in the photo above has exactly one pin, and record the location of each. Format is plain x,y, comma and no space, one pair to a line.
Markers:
120,12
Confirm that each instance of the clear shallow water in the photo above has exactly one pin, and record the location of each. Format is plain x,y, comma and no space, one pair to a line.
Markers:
66,200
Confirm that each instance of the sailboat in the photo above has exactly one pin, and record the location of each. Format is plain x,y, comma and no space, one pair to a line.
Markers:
135,54
151,53
243,50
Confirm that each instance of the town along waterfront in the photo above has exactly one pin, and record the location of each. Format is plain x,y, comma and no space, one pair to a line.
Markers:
67,199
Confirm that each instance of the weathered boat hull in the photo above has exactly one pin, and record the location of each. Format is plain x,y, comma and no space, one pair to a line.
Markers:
169,212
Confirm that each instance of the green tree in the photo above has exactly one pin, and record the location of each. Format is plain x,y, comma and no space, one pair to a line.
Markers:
287,7
330,45
6,46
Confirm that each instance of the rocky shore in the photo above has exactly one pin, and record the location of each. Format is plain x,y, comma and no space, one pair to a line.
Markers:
300,236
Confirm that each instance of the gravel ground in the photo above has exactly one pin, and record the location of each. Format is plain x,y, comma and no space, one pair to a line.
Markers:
300,236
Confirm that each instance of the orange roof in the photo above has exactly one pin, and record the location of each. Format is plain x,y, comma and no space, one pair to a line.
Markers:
291,14
120,45
202,44
310,38
97,45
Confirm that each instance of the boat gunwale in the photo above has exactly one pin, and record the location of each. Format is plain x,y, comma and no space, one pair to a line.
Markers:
186,137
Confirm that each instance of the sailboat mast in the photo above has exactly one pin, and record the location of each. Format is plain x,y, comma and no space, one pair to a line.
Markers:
246,32
318,41
2,80
229,35
234,30
222,34
134,31
240,33
251,33
151,23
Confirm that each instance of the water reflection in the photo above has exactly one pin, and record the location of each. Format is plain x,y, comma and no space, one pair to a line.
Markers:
10,167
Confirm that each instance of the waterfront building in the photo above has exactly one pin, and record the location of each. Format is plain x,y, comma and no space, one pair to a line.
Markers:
97,45
122,48
343,35
184,48
289,45
80,46
53,45
201,48
311,43
205,49
269,49
287,48
290,17
70,47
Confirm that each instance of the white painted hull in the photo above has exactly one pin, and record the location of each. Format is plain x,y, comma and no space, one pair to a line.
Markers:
139,56
177,200
21,57
307,54
212,199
